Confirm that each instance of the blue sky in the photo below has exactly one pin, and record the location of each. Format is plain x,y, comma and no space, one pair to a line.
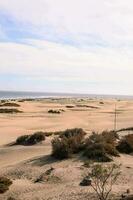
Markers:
79,46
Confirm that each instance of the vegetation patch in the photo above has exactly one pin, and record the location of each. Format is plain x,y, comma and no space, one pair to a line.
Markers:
4,184
9,110
9,104
11,198
68,143
87,106
69,106
125,145
68,133
30,139
101,147
54,111
101,179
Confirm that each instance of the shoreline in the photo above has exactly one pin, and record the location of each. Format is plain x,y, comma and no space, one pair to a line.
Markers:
15,95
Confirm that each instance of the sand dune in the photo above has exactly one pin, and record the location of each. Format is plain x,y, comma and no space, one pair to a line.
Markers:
26,164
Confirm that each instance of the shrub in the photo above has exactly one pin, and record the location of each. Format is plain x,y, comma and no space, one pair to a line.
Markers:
102,178
86,106
7,110
30,139
60,148
3,101
10,104
110,149
11,198
110,136
97,153
36,138
4,184
54,111
126,144
73,133
70,106
69,142
99,147
22,140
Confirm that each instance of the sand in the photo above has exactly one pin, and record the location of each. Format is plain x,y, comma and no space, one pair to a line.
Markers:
24,165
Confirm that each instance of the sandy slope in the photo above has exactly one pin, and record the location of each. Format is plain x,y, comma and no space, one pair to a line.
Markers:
24,165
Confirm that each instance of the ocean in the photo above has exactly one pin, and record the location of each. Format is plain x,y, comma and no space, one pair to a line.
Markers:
20,95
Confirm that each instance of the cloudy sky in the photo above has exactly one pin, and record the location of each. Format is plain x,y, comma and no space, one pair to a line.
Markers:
79,46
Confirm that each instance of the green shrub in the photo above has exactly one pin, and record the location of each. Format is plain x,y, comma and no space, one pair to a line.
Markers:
4,184
125,145
30,139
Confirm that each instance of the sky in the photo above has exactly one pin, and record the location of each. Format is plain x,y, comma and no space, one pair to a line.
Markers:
71,46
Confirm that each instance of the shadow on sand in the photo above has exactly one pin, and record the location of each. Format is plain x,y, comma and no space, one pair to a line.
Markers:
42,160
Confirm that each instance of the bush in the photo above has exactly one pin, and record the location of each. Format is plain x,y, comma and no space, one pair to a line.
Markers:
99,147
69,142
69,106
102,179
110,149
11,198
10,104
4,184
36,138
60,148
22,140
73,133
3,101
54,111
97,153
110,136
8,110
126,144
30,139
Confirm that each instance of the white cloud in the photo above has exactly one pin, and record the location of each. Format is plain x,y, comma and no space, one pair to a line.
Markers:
103,28
47,59
108,20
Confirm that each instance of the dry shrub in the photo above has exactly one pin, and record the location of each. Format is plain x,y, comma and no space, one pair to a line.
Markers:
73,133
4,184
11,198
125,145
10,104
69,142
54,111
100,147
60,148
10,110
30,139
